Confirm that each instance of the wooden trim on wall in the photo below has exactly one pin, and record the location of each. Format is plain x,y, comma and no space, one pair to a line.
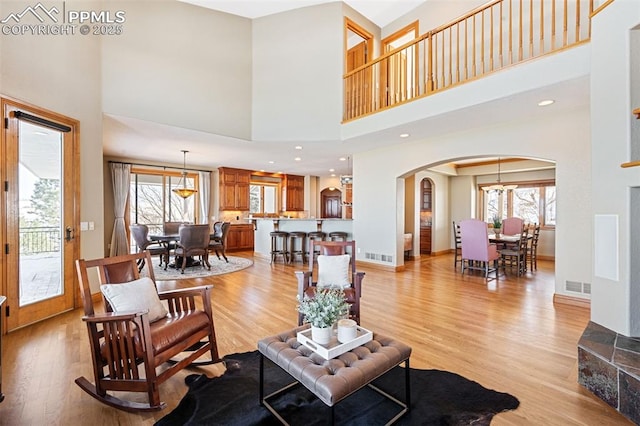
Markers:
572,301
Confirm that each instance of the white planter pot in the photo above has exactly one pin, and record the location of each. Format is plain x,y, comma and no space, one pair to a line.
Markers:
321,335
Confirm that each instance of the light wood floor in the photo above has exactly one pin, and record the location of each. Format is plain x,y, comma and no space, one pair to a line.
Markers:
507,335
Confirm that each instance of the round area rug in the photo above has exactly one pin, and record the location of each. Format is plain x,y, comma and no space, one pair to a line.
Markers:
218,267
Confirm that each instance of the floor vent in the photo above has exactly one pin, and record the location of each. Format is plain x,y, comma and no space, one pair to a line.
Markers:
578,287
379,257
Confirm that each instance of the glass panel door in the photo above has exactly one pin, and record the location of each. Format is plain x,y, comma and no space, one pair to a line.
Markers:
39,163
40,212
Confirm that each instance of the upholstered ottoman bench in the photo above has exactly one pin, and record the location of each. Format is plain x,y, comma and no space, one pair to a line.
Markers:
335,379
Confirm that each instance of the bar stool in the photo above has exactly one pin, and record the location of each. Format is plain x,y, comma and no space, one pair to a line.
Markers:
293,251
279,245
337,236
315,236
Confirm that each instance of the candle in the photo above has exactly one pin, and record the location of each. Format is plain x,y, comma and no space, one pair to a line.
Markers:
347,330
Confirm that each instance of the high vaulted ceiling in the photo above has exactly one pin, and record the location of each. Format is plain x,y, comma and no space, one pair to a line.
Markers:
380,12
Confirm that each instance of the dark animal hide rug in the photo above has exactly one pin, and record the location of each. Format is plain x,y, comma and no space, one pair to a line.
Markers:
437,398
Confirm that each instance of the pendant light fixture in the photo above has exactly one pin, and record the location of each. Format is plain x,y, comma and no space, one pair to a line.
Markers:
184,192
499,186
347,179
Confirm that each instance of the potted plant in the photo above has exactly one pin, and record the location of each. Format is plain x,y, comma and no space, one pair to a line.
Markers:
497,225
322,311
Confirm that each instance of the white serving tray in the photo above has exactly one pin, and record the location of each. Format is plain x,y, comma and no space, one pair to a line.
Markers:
334,348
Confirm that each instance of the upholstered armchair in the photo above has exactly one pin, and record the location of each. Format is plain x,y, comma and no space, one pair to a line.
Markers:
336,267
477,253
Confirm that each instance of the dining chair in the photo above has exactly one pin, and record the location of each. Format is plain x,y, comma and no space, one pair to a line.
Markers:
512,225
516,256
218,243
457,251
532,251
140,234
194,241
477,253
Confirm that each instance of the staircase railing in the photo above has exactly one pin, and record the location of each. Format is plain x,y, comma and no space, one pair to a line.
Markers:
489,38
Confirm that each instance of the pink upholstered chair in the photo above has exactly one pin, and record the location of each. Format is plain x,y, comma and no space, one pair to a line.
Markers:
477,253
512,226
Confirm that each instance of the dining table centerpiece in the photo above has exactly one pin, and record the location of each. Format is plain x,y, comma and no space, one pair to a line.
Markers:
497,225
322,311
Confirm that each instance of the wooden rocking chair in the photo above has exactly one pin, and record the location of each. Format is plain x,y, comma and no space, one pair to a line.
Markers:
127,347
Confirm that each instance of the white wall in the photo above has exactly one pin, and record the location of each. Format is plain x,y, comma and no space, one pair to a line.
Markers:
181,65
297,74
612,100
559,138
62,73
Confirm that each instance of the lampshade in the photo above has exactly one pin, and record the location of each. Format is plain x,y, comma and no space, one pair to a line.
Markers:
184,192
498,186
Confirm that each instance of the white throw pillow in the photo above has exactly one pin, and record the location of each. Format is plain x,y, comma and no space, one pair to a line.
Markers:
137,296
333,271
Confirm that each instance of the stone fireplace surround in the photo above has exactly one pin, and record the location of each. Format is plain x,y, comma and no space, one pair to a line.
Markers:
609,367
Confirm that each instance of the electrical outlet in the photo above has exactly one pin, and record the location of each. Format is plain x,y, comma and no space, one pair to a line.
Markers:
92,226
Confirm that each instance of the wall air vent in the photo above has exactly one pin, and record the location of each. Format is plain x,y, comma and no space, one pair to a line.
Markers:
379,257
578,287
573,286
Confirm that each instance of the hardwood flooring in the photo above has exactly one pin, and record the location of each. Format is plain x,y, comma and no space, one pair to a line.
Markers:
506,334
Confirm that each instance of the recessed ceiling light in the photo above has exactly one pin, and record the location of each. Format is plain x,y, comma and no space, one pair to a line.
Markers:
546,102
404,135
343,159
271,162
297,158
332,170
333,175
298,147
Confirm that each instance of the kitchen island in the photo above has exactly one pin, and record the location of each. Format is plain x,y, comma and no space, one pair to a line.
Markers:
264,226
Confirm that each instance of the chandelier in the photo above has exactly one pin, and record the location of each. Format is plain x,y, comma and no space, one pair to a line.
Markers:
499,186
184,192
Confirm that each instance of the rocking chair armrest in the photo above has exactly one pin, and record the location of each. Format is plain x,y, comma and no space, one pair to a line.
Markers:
113,316
182,292
305,280
182,300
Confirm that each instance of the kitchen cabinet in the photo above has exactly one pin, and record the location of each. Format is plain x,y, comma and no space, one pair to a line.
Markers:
425,240
293,193
234,188
240,237
426,192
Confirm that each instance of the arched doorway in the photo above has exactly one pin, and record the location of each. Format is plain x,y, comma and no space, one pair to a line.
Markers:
331,203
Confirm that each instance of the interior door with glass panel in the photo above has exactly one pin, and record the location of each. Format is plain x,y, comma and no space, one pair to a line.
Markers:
40,242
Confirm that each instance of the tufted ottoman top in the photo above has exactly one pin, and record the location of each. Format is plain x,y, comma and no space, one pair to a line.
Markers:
333,380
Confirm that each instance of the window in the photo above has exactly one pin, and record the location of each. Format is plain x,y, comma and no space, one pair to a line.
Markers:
534,202
263,198
151,201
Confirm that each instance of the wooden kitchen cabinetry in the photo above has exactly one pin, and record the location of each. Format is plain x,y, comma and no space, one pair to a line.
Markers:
234,188
293,193
240,237
425,240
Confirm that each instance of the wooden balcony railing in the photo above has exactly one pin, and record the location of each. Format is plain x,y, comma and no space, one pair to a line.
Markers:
494,36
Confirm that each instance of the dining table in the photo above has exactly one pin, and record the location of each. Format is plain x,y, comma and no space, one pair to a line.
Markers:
170,241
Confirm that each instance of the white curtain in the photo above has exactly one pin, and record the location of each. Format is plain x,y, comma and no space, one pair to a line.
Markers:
204,192
121,179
